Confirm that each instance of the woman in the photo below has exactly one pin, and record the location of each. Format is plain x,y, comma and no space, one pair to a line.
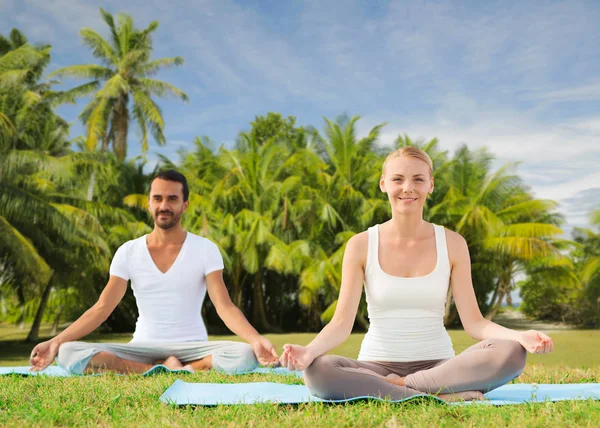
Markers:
406,265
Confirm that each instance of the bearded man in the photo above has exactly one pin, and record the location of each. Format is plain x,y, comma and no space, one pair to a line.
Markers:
170,271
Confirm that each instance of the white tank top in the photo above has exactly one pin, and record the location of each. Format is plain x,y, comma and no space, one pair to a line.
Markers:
406,314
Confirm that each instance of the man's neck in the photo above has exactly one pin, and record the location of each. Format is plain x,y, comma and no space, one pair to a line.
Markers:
172,236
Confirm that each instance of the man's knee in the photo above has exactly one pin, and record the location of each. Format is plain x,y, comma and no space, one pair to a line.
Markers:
235,358
74,356
66,350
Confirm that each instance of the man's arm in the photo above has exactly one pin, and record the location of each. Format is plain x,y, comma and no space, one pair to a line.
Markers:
44,353
235,320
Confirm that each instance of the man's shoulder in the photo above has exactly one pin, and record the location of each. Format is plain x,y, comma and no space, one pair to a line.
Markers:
133,243
199,240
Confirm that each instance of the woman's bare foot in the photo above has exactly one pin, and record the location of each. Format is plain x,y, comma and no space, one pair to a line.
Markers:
395,379
462,396
172,363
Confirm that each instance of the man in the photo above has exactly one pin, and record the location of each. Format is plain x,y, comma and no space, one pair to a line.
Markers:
170,271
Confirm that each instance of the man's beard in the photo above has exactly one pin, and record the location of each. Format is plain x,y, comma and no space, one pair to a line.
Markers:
168,222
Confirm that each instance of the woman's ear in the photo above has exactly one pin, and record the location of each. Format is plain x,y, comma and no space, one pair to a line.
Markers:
382,184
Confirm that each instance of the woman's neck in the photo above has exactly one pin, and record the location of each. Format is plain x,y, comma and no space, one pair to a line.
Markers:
407,226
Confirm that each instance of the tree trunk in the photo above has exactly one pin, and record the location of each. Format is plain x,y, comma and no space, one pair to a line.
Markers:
237,292
509,300
21,297
3,304
35,328
121,125
91,186
56,321
496,307
362,322
504,285
259,315
496,302
448,309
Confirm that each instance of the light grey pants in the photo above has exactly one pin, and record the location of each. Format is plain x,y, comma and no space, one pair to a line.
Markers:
228,357
482,367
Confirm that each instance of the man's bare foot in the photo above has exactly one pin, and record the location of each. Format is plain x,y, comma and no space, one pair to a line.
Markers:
395,379
172,363
462,396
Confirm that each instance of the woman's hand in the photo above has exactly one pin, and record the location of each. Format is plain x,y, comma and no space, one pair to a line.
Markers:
296,357
536,342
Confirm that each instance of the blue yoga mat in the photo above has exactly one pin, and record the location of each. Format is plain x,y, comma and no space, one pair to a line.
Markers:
57,371
211,394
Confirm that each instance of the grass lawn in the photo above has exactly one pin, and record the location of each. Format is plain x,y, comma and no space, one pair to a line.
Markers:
133,400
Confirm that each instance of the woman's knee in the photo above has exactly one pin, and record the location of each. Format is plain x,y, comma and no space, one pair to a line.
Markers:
512,357
316,375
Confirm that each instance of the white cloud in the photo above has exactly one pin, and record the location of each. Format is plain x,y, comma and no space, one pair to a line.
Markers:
587,92
558,161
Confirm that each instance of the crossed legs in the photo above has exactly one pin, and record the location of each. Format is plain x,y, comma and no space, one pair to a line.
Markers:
229,357
480,368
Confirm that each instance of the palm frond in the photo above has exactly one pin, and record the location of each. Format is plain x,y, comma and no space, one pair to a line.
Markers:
153,67
86,71
100,47
136,201
22,254
160,88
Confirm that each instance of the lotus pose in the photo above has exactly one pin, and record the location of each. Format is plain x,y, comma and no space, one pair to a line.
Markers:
170,271
407,265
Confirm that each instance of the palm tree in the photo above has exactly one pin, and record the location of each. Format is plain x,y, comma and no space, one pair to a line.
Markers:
252,192
505,227
127,88
588,268
25,104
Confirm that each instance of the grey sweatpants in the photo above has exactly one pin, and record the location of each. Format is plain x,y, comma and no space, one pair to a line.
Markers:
228,357
482,367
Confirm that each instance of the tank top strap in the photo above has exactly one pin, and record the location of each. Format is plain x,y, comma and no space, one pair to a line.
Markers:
441,246
373,247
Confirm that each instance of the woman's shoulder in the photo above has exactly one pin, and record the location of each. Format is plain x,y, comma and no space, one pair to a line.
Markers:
357,247
359,240
456,244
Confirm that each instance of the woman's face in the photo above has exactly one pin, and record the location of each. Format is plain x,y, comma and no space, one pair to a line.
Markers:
407,182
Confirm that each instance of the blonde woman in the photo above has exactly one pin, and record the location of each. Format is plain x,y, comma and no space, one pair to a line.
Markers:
406,265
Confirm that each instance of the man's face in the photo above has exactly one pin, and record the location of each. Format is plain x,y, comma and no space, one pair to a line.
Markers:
165,203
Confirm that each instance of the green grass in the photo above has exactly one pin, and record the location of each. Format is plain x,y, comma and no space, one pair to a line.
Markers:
133,400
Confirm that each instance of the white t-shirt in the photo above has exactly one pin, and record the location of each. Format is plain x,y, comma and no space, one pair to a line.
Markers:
169,303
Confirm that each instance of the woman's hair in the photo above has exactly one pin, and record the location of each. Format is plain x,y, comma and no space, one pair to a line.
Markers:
409,152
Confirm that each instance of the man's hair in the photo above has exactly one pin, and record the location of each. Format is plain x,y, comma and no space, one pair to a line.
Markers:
172,175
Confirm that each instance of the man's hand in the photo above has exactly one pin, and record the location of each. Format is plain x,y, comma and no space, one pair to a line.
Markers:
536,342
296,357
265,352
43,355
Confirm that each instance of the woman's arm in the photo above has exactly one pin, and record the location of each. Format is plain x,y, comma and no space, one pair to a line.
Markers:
473,322
337,331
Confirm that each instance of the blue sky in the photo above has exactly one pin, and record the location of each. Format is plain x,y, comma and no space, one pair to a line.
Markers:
518,77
